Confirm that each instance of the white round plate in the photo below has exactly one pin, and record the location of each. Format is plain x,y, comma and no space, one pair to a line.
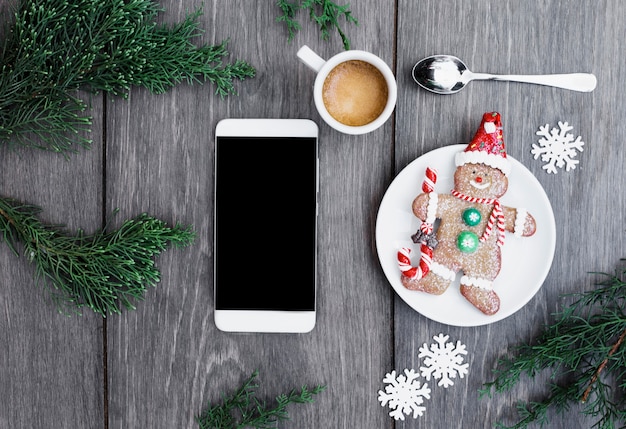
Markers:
526,261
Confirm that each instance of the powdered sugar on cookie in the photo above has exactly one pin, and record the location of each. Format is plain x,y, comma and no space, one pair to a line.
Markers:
473,222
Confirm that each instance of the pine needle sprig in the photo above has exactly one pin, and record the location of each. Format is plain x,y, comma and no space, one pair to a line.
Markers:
57,47
106,271
583,348
325,13
288,16
243,409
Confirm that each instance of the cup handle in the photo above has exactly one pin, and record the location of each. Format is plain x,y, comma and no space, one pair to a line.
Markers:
310,58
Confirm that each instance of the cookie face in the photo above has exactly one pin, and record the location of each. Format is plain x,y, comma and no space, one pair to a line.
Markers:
480,181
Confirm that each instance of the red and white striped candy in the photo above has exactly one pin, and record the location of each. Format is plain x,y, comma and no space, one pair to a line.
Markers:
429,180
404,262
426,259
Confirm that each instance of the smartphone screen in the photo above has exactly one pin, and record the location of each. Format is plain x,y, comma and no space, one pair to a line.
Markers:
265,226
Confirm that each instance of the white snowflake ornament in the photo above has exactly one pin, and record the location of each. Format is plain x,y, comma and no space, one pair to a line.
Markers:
557,147
404,394
443,360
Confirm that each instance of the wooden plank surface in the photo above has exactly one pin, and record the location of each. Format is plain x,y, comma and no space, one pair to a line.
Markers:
509,37
160,365
51,364
167,359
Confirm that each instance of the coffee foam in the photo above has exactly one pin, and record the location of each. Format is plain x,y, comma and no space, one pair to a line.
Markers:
355,93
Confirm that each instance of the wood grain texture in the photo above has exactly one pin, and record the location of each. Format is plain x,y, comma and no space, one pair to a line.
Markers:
515,38
51,365
160,365
167,360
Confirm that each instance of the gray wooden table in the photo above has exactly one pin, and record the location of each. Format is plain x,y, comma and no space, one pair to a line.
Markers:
160,365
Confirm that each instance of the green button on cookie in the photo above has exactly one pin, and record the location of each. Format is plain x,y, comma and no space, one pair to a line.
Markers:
467,242
471,217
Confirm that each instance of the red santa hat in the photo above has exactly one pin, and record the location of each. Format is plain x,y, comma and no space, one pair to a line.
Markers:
487,146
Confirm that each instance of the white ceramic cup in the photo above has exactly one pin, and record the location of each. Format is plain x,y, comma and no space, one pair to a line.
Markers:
324,67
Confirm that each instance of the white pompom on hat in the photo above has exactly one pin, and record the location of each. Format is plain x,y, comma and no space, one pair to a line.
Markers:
487,146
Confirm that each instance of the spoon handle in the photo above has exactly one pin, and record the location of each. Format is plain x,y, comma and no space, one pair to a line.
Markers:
583,82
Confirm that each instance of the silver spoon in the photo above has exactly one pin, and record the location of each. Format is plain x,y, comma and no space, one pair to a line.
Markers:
446,74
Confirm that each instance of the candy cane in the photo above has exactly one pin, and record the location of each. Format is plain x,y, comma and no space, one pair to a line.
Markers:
404,262
426,228
429,181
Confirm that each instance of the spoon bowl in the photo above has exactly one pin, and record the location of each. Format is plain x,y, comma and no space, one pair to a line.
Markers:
447,74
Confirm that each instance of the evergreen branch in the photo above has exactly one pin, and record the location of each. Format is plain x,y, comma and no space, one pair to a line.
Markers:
288,17
593,380
242,409
57,47
105,271
536,412
324,13
584,342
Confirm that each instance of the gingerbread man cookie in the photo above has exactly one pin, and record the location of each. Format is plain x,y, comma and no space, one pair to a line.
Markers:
472,224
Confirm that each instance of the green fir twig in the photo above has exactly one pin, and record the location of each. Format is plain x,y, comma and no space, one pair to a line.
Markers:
325,13
243,409
105,272
288,16
584,351
54,48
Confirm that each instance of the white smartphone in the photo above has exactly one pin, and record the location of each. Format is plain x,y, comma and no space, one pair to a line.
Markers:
265,225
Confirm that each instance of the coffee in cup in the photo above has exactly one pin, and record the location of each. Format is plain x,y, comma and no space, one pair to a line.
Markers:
354,91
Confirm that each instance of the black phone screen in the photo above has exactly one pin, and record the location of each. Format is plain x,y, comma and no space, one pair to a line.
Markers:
265,223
